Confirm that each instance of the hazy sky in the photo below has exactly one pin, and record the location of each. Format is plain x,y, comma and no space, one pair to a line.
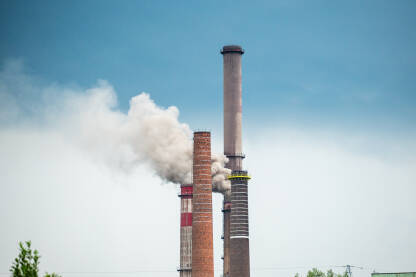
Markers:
329,103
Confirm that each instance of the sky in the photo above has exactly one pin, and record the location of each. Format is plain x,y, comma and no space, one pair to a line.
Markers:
329,130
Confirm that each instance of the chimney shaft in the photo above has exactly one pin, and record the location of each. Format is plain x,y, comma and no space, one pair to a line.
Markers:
232,105
236,239
185,268
202,242
239,231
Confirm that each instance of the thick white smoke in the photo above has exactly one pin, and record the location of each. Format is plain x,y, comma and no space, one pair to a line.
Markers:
146,134
220,182
161,139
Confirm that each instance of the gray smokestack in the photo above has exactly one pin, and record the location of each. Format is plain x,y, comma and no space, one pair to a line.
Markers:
236,236
232,106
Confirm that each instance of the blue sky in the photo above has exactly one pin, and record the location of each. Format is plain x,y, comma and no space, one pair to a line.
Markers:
344,64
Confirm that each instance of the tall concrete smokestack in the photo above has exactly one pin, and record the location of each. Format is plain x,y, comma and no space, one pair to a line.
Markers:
202,243
185,268
232,106
236,242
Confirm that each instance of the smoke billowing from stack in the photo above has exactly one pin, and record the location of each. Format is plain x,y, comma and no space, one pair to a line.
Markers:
202,240
236,242
220,173
185,268
147,134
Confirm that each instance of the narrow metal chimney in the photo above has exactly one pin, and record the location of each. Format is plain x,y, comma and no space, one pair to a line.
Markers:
236,242
226,235
202,240
185,268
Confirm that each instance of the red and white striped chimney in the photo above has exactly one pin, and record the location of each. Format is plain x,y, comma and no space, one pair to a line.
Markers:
185,268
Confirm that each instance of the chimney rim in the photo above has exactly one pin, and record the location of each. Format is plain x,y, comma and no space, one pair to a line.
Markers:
202,132
232,49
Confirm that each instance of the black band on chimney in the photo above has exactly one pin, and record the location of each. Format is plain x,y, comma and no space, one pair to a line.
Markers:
232,49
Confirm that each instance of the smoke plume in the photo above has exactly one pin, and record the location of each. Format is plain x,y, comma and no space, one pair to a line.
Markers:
148,133
162,140
90,119
220,183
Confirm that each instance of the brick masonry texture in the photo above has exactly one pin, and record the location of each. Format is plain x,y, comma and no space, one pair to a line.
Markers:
202,240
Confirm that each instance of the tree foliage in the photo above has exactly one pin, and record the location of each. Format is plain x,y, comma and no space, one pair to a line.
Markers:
27,262
51,275
314,272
